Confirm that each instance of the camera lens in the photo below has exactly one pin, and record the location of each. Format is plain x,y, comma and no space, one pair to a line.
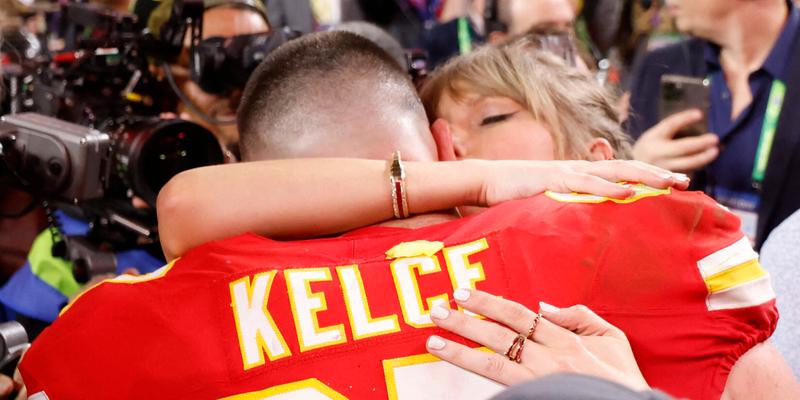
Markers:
151,154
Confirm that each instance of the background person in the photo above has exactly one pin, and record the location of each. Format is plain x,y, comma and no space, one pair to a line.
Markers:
214,111
749,50
519,16
780,255
469,23
37,292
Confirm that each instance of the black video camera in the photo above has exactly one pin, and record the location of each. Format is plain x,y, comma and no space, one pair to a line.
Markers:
110,140
234,58
76,164
97,174
219,65
84,131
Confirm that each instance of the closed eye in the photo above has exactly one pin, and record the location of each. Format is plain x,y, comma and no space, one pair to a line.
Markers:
496,118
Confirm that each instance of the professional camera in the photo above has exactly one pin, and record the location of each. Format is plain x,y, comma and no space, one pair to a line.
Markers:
84,130
98,173
81,165
13,342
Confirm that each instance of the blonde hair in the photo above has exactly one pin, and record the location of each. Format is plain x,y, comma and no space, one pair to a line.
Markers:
570,103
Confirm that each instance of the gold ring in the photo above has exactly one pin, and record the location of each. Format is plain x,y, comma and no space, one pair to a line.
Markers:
514,353
535,323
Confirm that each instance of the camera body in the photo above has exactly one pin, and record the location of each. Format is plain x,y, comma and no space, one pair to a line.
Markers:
59,158
13,342
234,58
83,129
77,164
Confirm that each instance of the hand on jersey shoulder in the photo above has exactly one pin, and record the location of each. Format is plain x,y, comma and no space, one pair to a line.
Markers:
573,339
510,180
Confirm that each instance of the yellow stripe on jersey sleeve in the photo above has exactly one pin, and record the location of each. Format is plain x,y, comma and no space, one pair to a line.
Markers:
734,278
742,273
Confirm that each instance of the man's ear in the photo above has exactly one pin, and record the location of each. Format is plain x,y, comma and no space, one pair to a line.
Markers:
600,150
444,140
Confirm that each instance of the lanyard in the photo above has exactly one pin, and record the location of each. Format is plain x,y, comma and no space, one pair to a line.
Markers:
767,139
464,37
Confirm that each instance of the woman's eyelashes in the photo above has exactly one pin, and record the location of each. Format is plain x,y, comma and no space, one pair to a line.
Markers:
493,119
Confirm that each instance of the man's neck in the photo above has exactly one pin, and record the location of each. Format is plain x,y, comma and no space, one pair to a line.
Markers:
748,35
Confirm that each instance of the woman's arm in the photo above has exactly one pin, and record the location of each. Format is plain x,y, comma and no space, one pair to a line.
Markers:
304,198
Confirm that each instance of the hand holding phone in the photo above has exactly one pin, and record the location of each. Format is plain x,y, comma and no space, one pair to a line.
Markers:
681,93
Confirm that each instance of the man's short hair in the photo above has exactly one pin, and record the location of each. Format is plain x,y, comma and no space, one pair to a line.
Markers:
317,90
378,36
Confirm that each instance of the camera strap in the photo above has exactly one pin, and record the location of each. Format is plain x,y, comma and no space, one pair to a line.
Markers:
188,102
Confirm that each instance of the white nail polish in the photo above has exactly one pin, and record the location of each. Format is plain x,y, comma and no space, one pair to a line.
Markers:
435,343
439,312
461,294
548,308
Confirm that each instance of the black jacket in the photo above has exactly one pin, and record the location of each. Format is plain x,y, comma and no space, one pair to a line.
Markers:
781,186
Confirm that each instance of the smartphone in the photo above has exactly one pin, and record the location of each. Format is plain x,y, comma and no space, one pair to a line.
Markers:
680,93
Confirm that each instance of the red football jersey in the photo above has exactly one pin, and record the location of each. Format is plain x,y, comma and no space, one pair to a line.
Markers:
249,317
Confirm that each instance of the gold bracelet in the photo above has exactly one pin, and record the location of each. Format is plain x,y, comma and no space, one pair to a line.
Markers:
397,177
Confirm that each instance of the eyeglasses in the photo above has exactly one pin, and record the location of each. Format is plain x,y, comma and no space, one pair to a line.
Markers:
557,43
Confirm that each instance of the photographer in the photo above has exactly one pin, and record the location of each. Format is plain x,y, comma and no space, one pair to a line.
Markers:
38,291
214,110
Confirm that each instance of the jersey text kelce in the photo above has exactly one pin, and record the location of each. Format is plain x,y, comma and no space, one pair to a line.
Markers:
253,318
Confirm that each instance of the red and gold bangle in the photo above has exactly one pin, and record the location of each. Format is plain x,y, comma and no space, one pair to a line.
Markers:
397,177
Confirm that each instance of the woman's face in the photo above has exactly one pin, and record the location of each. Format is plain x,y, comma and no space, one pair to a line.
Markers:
495,128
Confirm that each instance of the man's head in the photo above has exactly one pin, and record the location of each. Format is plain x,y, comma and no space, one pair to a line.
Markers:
378,36
333,94
521,15
705,19
697,18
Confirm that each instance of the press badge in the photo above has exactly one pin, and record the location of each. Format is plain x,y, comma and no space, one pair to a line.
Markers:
745,206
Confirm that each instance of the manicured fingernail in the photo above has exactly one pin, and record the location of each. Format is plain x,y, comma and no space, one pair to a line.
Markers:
435,343
548,308
461,294
439,312
682,177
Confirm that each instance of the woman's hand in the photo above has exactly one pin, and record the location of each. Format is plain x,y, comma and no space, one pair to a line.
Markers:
510,180
573,339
